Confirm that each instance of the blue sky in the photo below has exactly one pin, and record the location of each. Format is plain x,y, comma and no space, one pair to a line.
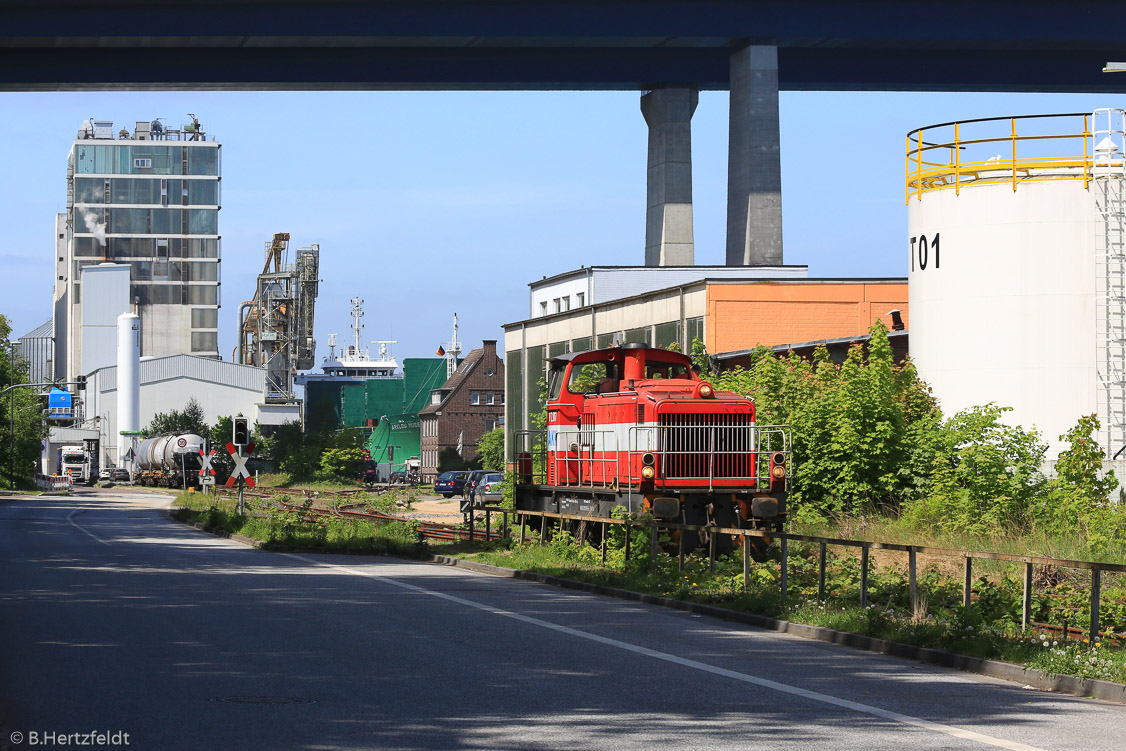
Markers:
429,203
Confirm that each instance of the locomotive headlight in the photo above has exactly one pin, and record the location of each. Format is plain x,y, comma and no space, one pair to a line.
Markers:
778,458
779,472
706,390
648,459
648,473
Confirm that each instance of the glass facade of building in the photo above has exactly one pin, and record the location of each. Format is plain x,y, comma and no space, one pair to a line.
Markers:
155,206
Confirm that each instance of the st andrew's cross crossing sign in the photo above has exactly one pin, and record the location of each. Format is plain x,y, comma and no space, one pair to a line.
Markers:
205,460
240,465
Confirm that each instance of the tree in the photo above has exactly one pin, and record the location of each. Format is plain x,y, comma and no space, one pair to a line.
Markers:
342,463
188,420
986,474
490,450
27,418
856,427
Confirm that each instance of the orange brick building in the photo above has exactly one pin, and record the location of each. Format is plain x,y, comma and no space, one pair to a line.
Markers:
742,315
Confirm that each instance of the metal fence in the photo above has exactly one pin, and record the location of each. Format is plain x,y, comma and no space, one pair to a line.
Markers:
784,538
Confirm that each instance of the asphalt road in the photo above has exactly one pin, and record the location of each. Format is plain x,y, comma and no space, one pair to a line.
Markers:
115,619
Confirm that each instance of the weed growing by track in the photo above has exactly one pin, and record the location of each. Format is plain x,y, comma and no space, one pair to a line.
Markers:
296,529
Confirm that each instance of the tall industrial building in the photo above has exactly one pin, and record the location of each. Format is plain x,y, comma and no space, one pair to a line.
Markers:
148,198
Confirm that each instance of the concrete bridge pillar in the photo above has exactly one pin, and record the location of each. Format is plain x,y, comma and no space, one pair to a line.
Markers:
668,213
754,168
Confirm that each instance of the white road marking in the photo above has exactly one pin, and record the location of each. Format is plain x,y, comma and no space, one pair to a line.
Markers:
69,518
885,714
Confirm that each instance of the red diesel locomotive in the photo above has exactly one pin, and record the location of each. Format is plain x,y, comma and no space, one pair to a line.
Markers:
636,427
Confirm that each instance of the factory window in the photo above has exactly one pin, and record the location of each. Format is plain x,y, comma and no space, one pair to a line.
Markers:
88,190
638,335
580,297
205,341
142,163
203,160
87,246
490,424
567,302
202,272
128,190
558,305
474,398
435,398
205,318
202,294
490,399
203,221
203,192
695,328
543,308
201,248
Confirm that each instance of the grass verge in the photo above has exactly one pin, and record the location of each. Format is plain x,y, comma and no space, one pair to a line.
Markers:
282,529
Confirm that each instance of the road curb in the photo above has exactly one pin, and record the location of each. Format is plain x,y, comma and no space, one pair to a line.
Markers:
1030,677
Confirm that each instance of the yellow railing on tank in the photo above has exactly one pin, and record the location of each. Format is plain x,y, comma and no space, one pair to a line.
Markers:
941,156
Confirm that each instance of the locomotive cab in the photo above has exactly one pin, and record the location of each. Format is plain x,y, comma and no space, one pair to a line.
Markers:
636,426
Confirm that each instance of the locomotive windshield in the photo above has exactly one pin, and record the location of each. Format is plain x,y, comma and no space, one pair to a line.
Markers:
593,378
654,369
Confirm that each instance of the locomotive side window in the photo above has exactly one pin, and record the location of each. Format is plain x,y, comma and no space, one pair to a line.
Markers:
593,378
666,370
555,380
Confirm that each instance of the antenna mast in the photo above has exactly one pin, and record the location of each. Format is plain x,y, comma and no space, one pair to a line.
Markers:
357,325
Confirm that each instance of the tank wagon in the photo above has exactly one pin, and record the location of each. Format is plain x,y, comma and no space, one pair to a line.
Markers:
172,460
636,428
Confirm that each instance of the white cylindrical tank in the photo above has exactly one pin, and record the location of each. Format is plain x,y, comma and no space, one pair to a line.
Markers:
1006,235
128,381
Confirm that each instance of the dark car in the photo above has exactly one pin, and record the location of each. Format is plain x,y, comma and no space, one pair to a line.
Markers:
449,484
369,477
121,475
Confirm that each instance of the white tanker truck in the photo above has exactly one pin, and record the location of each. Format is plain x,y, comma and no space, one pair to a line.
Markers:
171,460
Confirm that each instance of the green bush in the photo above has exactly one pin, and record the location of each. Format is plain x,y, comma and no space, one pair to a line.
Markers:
985,477
860,429
342,463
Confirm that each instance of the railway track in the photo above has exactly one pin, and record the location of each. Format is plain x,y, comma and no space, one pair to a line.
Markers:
429,530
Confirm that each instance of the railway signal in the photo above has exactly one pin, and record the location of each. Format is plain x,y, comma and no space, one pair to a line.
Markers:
241,432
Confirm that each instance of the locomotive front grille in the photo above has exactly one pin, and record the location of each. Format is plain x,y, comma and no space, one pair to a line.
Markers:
707,446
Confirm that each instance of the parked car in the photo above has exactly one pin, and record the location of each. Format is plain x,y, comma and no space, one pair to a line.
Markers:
490,489
369,477
121,475
403,477
471,480
449,484
106,475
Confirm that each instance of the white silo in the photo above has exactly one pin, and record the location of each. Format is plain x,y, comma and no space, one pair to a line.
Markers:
1018,271
128,381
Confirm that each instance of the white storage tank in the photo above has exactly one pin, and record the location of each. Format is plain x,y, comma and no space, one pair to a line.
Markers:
1017,268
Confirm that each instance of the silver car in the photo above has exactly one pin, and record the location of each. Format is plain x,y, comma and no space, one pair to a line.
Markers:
490,489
